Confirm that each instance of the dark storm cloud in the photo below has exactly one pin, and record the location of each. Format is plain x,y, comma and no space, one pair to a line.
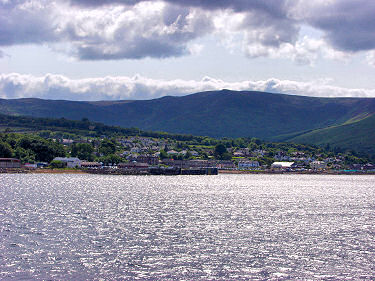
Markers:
96,3
275,8
349,25
270,6
22,23
269,31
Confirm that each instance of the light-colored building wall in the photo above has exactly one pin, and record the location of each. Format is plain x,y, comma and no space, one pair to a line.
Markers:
71,162
318,165
243,165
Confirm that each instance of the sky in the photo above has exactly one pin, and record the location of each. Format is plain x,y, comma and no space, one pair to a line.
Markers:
135,49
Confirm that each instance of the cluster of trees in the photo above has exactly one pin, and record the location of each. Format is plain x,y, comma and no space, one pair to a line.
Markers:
85,127
105,152
221,147
29,148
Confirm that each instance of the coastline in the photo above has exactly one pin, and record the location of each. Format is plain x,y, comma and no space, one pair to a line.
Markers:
57,171
41,171
326,172
220,172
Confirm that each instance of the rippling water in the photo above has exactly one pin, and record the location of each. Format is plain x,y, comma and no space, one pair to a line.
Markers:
74,227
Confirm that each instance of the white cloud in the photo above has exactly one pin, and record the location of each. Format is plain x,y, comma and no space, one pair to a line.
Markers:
305,51
121,88
146,29
114,29
370,57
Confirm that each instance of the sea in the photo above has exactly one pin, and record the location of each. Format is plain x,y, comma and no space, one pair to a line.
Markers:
224,227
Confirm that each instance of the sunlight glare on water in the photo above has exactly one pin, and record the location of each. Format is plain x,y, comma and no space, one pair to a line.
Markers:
229,227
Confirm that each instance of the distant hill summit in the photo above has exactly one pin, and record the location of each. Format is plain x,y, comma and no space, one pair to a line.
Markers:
218,114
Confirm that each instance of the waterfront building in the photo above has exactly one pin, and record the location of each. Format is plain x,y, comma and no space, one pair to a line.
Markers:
245,165
283,165
133,166
318,165
71,162
90,165
149,159
10,163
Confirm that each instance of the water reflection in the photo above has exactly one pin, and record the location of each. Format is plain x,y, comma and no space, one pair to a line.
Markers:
187,227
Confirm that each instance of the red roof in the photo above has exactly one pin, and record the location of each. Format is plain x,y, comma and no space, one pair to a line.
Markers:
9,159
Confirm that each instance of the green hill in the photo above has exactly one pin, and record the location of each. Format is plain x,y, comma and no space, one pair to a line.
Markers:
217,114
27,124
358,135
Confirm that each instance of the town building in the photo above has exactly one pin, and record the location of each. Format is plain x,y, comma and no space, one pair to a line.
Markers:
91,165
283,165
67,141
225,164
133,166
10,163
318,165
30,165
187,164
245,165
42,164
362,167
71,162
194,153
149,159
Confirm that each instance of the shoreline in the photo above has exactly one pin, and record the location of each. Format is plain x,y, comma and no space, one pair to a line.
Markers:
41,171
220,172
327,172
57,171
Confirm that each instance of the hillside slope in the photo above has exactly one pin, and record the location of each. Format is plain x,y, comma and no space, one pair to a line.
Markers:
358,135
218,113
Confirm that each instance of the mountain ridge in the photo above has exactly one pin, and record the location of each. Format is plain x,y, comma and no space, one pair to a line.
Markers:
222,113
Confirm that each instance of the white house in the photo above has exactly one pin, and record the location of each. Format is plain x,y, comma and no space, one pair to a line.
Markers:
67,141
31,166
244,165
71,162
318,165
282,165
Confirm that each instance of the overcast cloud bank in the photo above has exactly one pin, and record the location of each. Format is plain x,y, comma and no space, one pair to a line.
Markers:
122,88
